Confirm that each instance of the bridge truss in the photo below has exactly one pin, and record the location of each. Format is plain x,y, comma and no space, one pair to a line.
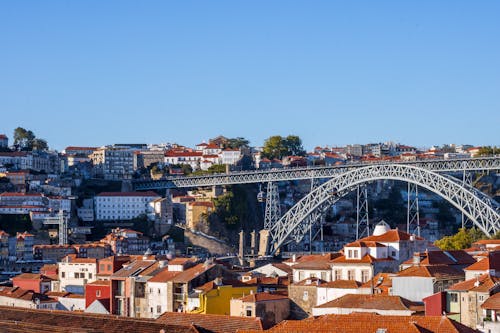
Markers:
482,210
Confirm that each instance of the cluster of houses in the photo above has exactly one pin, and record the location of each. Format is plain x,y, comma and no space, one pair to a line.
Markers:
388,276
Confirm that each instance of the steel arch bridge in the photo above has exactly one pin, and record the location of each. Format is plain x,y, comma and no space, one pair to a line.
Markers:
482,210
324,172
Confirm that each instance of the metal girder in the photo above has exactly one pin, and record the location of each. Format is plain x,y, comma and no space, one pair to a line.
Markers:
362,219
273,205
482,210
264,176
412,213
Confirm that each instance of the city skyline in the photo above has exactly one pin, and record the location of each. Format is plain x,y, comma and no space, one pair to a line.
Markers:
100,73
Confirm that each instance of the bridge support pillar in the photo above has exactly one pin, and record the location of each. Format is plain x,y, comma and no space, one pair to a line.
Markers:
362,220
241,248
273,206
412,214
263,242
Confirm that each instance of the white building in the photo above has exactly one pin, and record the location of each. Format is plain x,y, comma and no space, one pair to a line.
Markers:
230,156
123,205
17,297
113,163
74,273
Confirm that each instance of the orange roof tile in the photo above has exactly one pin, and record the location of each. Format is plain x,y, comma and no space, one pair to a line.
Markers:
375,302
438,271
483,283
492,303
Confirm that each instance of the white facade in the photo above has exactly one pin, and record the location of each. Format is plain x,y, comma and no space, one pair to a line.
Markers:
156,293
123,206
327,294
76,272
230,156
270,270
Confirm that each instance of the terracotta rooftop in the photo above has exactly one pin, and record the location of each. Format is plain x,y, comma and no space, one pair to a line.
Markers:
375,302
341,284
191,273
133,269
262,297
483,283
163,275
211,322
391,236
369,323
491,262
439,271
364,244
32,276
492,303
66,321
455,257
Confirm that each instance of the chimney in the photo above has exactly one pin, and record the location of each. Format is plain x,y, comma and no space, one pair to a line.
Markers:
416,258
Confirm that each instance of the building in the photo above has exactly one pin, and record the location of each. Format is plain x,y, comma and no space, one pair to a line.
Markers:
122,206
21,298
195,211
99,290
418,282
230,156
329,291
464,299
113,163
271,308
489,265
491,314
369,322
303,297
214,297
4,141
126,241
24,246
38,283
75,273
380,304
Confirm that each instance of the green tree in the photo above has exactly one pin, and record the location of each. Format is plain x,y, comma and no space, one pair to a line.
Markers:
26,140
487,151
237,143
278,147
461,240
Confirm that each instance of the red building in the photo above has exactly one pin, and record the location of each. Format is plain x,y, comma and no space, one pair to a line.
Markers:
36,282
107,266
435,304
100,290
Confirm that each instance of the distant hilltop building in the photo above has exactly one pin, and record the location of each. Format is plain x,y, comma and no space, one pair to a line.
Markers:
4,141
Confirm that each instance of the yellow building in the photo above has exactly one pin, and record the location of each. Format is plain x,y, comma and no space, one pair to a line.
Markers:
195,210
214,297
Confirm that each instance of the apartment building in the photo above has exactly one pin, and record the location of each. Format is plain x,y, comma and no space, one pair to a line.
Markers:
116,206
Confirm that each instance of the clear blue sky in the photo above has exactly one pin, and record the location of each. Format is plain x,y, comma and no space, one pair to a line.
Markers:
333,72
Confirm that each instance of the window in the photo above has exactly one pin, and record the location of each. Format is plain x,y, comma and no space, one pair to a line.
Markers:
77,275
102,267
90,275
393,253
159,291
350,274
323,276
365,274
63,274
453,297
305,297
338,274
158,309
249,311
98,293
109,267
349,254
151,309
355,253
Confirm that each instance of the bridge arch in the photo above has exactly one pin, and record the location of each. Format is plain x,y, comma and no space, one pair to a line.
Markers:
482,210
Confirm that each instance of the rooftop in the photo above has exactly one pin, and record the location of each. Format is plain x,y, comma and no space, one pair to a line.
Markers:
375,302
